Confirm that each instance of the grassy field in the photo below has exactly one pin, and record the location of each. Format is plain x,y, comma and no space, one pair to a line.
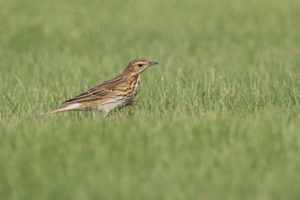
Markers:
218,118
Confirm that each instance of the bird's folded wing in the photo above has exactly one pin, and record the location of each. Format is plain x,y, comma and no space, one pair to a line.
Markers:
97,93
91,95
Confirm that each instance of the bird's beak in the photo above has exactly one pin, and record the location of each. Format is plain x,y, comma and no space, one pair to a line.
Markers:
153,63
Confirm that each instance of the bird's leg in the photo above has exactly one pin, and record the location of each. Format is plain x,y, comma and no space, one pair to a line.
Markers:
132,103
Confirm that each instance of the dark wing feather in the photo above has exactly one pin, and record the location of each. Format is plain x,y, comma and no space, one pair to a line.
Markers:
97,92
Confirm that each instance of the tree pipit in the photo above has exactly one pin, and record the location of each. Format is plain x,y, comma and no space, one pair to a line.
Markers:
112,94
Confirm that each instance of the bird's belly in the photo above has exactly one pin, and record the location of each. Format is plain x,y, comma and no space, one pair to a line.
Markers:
113,104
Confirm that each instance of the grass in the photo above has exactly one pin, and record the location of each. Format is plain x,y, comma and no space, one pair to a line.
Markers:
218,118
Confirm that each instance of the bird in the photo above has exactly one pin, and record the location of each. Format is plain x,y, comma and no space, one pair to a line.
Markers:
109,95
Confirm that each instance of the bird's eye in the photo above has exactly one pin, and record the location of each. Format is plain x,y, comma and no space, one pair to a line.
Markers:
140,65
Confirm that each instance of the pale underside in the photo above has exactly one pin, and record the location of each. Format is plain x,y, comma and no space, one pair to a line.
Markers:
105,107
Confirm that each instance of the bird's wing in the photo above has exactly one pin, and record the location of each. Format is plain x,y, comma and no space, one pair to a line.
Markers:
97,93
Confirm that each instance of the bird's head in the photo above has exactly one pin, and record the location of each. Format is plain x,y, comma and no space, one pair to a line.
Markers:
137,66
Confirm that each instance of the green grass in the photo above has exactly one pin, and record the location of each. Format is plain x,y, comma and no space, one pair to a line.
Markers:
218,118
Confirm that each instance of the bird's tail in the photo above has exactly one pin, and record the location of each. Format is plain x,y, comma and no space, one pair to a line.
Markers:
60,109
74,106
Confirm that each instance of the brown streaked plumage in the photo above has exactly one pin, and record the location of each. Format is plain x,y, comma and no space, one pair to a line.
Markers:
112,94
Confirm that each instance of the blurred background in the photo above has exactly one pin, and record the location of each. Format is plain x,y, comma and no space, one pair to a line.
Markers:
218,118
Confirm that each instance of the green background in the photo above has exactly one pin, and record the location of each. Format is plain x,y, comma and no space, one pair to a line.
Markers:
218,118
